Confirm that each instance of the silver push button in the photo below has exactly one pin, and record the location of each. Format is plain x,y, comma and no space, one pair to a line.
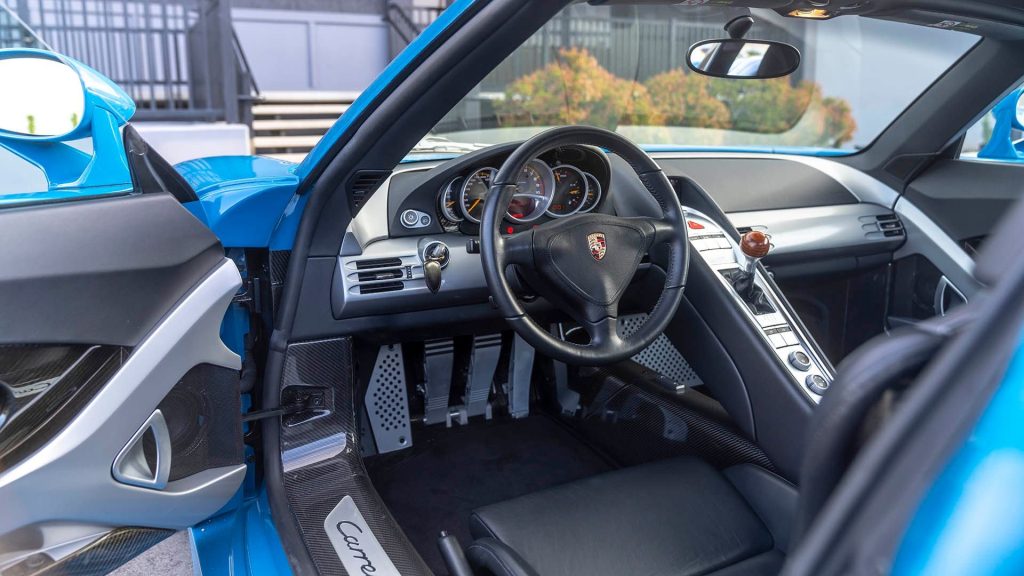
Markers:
817,383
798,359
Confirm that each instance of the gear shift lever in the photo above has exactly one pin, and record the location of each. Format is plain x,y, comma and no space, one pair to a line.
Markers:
754,245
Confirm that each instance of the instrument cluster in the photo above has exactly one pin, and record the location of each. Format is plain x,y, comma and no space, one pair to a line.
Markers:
547,187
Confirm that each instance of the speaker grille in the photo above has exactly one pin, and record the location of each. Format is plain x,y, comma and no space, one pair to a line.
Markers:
203,415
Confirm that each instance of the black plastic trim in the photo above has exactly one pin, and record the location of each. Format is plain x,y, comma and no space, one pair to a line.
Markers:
101,271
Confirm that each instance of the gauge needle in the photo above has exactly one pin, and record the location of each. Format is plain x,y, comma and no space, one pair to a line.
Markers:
473,205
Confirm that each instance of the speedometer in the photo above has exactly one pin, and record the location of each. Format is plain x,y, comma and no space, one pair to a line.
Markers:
474,191
570,191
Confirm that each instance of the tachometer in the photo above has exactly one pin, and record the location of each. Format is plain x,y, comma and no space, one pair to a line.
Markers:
570,191
448,201
533,192
593,192
474,191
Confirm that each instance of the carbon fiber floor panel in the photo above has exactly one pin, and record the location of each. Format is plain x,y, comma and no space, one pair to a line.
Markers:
322,464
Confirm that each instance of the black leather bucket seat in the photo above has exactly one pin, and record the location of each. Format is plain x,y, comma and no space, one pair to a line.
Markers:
682,517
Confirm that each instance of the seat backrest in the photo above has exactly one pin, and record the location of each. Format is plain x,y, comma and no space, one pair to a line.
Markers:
883,364
863,378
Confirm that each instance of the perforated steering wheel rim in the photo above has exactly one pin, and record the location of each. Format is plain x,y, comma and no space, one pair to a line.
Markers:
590,258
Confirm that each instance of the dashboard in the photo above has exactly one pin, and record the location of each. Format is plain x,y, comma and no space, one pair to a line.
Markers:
816,211
557,184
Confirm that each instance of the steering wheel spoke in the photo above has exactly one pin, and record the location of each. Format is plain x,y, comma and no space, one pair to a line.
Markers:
518,249
660,231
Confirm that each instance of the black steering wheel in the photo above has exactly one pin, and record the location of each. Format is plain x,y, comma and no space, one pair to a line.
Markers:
585,262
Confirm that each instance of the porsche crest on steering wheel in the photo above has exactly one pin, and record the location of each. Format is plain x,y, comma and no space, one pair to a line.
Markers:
597,244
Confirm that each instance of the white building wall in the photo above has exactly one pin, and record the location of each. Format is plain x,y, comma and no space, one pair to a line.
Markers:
300,50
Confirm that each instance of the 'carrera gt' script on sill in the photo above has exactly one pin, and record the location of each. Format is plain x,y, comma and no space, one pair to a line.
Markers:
358,549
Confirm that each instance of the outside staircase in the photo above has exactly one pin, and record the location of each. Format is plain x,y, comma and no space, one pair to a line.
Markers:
286,125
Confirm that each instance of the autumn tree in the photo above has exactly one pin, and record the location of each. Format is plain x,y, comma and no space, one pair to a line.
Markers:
576,89
685,100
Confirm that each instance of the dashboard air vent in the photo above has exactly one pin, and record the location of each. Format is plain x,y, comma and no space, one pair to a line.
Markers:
378,263
381,287
362,184
890,225
392,274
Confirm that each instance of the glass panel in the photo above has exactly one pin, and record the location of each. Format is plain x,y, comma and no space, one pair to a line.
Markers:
624,68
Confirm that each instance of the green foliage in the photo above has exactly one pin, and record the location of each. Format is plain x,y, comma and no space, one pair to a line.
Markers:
576,89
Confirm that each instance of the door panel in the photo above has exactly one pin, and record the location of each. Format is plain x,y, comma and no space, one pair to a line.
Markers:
100,271
111,312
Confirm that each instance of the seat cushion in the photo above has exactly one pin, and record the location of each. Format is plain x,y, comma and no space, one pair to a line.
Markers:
673,518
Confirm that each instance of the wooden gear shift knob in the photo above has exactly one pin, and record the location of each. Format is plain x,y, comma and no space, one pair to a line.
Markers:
755,244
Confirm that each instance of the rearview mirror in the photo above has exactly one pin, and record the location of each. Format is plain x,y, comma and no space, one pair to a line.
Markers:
738,58
43,97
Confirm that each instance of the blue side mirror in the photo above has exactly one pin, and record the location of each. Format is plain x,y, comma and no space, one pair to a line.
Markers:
1009,115
50,101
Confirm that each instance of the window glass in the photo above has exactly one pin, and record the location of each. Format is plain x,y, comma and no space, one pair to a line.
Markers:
624,68
999,135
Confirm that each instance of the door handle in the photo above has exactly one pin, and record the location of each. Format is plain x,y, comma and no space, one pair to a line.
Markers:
132,467
946,288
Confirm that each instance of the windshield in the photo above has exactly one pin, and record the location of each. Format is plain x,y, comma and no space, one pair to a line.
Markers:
623,68
15,34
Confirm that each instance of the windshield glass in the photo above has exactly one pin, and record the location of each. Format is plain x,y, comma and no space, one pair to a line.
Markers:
15,34
624,68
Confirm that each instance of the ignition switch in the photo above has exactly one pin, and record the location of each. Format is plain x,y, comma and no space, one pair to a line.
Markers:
435,259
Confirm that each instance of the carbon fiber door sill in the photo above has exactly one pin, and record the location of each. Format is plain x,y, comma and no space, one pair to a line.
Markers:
357,547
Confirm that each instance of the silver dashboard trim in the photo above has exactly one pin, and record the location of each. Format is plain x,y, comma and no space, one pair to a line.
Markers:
924,237
819,228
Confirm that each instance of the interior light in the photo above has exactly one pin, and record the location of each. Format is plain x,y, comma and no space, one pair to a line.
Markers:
816,13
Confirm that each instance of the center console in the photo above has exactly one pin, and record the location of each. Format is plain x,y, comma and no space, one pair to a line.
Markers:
737,269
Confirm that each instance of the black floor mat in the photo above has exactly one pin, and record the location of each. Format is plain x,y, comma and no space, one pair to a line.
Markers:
450,472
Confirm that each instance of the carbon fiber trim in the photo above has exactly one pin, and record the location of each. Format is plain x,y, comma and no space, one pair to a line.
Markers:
635,426
44,387
322,463
278,272
102,556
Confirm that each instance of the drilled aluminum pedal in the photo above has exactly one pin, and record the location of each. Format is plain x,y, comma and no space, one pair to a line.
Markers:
387,402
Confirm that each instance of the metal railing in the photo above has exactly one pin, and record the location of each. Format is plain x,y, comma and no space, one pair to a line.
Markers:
406,22
178,59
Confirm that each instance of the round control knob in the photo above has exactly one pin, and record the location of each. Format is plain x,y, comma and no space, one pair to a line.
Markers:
755,244
800,360
817,383
410,218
